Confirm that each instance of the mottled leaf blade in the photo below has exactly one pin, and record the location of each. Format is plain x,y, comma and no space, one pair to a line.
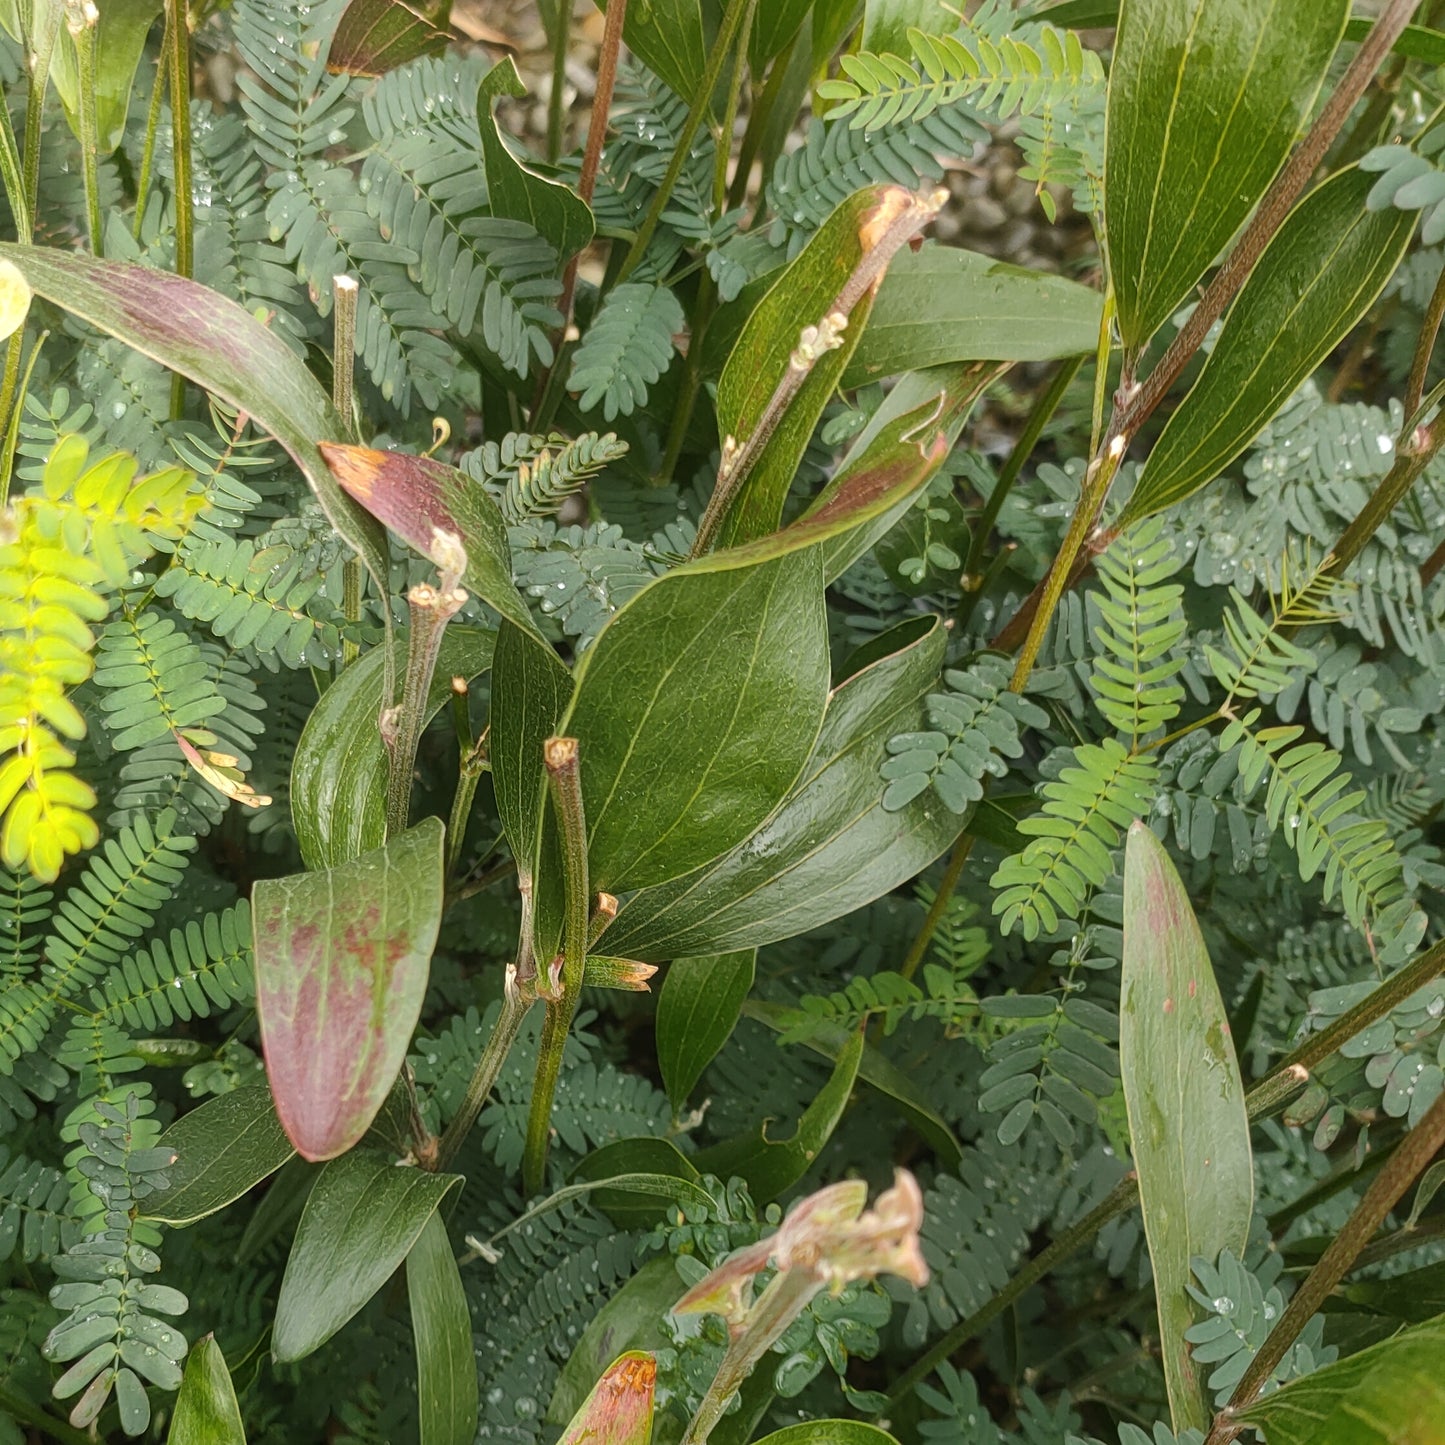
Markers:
619,1409
1206,98
1185,1100
441,1325
342,960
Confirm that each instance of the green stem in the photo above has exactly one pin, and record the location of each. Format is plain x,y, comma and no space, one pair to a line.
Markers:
12,171
722,47
12,425
153,126
691,379
42,48
1403,1167
724,148
179,60
469,775
1118,1201
565,781
50,1427
757,126
515,1005
82,32
561,11
962,847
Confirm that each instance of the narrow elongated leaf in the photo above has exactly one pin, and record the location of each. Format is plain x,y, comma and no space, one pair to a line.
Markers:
433,507
667,36
338,779
441,1324
220,346
774,26
361,1220
829,847
342,958
1205,99
119,42
375,36
1390,1394
1185,1100
223,1148
771,1165
549,207
697,1010
695,710
619,1409
1319,275
653,1170
207,1412
802,295
942,304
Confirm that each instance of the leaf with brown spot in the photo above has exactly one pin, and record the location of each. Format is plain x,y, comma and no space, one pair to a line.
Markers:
619,1409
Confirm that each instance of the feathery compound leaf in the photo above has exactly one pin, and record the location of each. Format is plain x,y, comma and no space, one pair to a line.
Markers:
976,726
626,349
1261,660
531,476
1134,674
1075,836
35,1219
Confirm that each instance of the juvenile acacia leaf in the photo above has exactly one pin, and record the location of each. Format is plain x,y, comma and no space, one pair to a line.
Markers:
375,36
223,1148
1205,100
1185,1100
695,710
338,778
771,1165
207,1412
441,1324
942,303
1317,277
619,1409
697,1010
1390,1394
829,847
551,209
435,508
220,346
342,959
361,1220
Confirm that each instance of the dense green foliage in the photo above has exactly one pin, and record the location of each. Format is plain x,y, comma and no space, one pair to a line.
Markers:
708,598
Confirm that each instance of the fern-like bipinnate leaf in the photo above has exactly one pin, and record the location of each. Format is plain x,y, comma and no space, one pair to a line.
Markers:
36,1221
530,476
626,349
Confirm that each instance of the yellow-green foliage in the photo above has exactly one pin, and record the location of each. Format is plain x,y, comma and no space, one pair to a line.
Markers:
63,551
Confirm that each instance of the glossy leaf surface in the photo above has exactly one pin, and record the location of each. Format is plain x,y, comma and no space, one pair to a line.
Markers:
697,1010
338,781
770,1164
942,303
828,848
1185,1100
224,1147
221,347
441,1325
1319,275
695,710
342,959
1206,98
1390,1394
361,1220
375,36
667,36
802,295
431,506
829,1432
207,1412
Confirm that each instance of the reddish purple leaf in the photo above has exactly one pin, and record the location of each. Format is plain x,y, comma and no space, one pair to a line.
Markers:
619,1409
342,958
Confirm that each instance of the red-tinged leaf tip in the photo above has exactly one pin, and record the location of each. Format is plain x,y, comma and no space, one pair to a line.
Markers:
411,495
619,1409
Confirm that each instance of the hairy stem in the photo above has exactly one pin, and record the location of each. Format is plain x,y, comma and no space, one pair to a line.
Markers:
82,29
178,31
1414,1153
153,126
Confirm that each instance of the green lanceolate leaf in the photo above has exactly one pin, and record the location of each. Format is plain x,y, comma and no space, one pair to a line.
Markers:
342,959
549,207
1205,99
667,36
119,42
223,1148
375,36
695,710
619,1409
943,304
630,1179
207,1412
802,295
338,779
1187,1122
771,1165
434,507
361,1220
1390,1394
221,347
830,846
774,26
1317,277
697,1011
441,1324
886,23
829,1432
